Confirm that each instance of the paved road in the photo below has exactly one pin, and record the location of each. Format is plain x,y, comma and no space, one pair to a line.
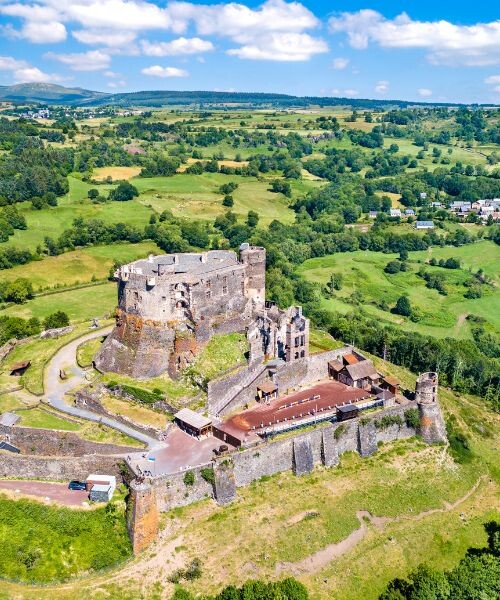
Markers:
56,388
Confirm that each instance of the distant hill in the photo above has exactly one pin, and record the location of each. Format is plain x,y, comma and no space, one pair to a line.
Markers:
47,93
50,93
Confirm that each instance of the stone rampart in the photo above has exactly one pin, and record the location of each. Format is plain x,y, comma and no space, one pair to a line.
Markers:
297,453
58,468
48,442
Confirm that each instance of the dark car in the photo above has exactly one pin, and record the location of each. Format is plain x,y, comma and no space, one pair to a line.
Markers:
77,485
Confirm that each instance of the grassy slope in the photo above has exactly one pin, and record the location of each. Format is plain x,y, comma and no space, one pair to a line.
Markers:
79,266
421,478
363,271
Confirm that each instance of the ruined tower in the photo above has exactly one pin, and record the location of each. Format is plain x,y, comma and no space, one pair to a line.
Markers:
432,427
169,305
142,515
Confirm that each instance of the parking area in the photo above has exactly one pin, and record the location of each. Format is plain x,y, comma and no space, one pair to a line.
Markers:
42,490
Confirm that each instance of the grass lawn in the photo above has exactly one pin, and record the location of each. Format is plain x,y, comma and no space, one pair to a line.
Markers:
53,221
85,352
137,412
79,266
44,544
319,341
222,352
402,481
441,316
80,304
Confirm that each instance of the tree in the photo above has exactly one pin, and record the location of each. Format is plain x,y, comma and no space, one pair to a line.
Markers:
124,192
394,266
252,218
403,307
228,201
56,320
93,193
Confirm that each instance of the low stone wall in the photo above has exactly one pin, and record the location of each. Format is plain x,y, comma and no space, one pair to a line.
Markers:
298,452
47,442
58,469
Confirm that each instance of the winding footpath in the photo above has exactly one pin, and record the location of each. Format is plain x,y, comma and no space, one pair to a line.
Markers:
56,388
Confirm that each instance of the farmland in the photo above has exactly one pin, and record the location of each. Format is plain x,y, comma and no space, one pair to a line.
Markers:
441,316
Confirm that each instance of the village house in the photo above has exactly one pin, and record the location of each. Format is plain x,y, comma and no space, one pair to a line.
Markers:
395,212
424,225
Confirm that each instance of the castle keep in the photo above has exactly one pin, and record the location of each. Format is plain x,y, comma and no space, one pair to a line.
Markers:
170,305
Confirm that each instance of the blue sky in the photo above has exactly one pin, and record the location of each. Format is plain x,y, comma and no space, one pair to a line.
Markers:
435,51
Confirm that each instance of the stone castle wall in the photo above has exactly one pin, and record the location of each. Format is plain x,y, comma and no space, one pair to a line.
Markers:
297,453
57,468
48,442
300,372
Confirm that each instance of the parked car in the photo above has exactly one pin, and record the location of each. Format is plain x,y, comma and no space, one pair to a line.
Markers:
77,485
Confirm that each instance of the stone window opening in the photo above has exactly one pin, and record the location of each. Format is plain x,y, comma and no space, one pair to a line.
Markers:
302,353
224,285
208,294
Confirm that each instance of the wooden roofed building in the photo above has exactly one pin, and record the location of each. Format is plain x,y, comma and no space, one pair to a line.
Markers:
193,423
361,374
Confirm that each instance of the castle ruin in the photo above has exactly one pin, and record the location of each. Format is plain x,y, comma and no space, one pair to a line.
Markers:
170,305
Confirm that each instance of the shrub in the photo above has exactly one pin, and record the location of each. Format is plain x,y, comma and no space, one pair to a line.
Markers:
403,307
208,474
412,418
56,320
339,432
188,478
388,420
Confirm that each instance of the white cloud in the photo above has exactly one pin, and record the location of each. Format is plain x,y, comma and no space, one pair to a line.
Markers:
281,47
105,37
492,79
424,92
93,60
23,72
347,93
382,87
275,30
158,71
51,32
177,47
448,44
340,63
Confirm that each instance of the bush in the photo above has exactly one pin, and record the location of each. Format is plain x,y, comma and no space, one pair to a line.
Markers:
208,474
403,307
412,418
388,420
188,478
124,192
56,320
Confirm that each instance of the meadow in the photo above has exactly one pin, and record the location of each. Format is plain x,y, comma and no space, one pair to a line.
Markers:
440,316
433,509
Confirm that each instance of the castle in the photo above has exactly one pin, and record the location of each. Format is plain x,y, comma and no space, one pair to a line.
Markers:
170,305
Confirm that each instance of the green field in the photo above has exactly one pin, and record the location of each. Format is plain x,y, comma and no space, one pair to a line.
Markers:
197,196
441,316
82,304
79,266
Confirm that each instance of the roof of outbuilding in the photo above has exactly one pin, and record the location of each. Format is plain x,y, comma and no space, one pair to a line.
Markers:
8,419
362,369
336,365
192,418
268,387
350,359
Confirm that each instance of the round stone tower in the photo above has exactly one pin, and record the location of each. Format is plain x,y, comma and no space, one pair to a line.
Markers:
142,515
432,427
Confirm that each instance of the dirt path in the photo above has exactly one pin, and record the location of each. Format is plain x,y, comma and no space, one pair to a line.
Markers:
460,321
317,561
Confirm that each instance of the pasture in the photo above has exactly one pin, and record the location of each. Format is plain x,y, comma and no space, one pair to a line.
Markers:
441,316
